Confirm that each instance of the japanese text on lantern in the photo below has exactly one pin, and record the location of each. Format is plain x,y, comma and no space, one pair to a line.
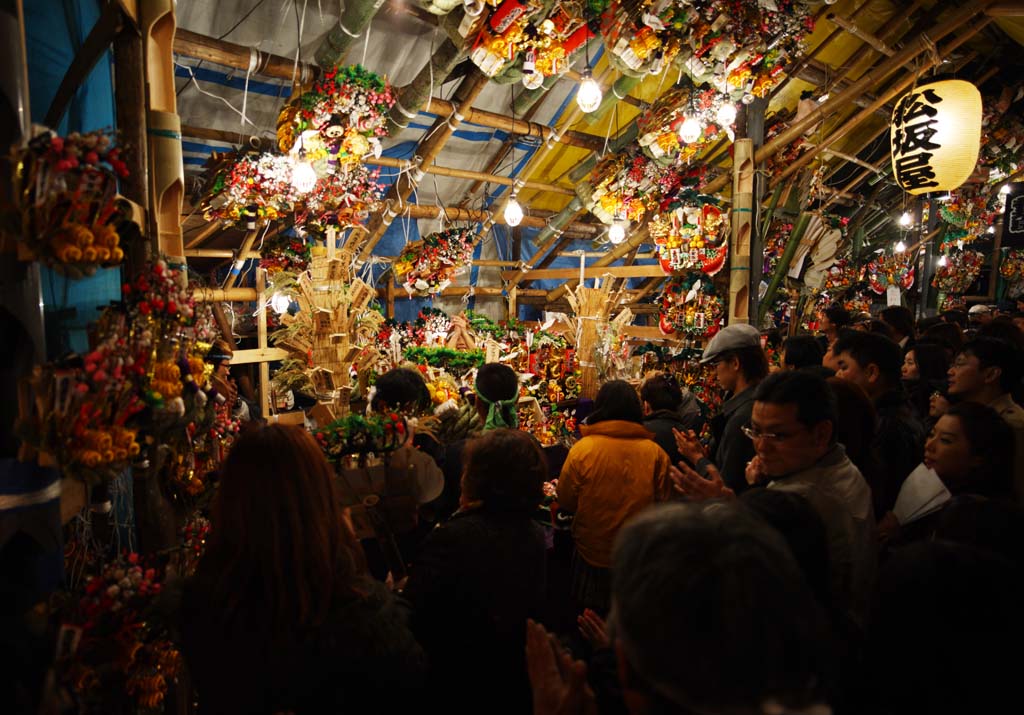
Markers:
914,128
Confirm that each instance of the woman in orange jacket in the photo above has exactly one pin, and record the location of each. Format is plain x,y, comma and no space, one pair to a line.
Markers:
610,475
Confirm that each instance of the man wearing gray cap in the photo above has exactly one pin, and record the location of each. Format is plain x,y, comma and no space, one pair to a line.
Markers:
740,364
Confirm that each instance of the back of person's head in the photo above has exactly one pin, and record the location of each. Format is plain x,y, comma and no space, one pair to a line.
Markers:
814,400
804,531
991,442
873,349
278,547
498,387
855,423
949,335
932,359
946,619
402,390
719,583
838,315
753,362
995,525
899,319
616,400
505,470
924,323
994,352
1003,328
802,351
956,317
661,392
879,327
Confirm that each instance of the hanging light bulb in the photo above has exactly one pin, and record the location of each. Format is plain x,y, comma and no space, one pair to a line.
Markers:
588,96
726,114
280,302
990,229
533,80
1004,190
906,219
900,247
942,260
303,175
513,211
473,7
690,130
617,232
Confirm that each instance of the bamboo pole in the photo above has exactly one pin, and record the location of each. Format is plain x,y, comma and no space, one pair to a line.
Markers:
895,90
411,98
635,239
261,341
130,105
216,253
222,295
863,35
236,269
355,18
740,235
782,267
228,54
842,99
559,245
466,174
536,220
209,230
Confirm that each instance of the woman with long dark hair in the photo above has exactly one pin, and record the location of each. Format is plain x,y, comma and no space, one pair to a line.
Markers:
611,474
278,616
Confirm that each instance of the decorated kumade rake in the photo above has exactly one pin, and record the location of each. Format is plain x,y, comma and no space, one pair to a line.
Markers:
691,238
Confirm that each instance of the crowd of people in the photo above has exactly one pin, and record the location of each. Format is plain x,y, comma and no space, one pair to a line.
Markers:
848,540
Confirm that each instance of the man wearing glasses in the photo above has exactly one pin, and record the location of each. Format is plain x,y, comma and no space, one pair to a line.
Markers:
792,427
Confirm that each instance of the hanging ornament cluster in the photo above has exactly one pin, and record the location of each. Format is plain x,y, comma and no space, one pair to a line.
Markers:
663,128
1002,136
338,119
429,265
691,236
890,269
285,253
961,270
516,40
1011,268
628,185
969,216
690,307
841,275
65,211
740,46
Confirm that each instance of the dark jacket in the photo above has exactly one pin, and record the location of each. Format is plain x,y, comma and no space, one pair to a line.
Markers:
731,449
661,423
898,445
363,658
476,581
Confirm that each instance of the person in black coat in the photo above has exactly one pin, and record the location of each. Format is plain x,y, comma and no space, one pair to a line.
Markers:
662,399
278,617
480,576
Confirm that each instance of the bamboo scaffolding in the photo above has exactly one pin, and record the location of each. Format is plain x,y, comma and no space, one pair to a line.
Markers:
635,239
863,35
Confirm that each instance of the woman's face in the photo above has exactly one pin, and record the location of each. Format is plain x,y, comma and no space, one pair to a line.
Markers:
909,369
948,452
938,405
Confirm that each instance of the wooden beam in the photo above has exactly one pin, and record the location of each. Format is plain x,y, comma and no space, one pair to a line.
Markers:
478,291
646,333
466,174
228,54
851,27
635,239
207,231
589,272
1015,8
218,295
247,241
216,253
260,355
261,341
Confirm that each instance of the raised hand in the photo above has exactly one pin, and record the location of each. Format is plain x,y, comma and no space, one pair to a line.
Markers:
559,683
688,444
594,629
695,487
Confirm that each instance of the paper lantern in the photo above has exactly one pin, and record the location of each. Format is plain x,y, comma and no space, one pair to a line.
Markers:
935,136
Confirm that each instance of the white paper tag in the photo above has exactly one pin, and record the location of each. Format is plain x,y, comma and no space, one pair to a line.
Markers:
892,295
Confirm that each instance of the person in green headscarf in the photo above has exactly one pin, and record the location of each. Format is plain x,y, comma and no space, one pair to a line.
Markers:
497,394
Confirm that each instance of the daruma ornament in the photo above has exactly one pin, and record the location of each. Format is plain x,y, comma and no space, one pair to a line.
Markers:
935,136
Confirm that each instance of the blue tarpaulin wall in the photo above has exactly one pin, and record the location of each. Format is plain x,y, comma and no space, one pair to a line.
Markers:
54,31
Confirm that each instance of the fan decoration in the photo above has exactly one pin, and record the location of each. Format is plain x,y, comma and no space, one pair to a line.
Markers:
960,272
65,209
430,265
968,215
691,237
890,270
520,40
1012,270
338,119
690,307
740,47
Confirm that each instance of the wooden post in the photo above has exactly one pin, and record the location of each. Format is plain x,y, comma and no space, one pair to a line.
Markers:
261,340
512,307
742,225
236,269
166,173
389,296
130,104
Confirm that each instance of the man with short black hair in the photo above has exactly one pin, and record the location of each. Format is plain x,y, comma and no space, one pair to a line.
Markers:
873,362
792,428
662,399
740,364
986,371
901,323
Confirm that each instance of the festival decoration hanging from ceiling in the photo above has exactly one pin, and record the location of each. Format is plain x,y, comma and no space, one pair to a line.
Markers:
430,265
890,269
690,307
691,236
